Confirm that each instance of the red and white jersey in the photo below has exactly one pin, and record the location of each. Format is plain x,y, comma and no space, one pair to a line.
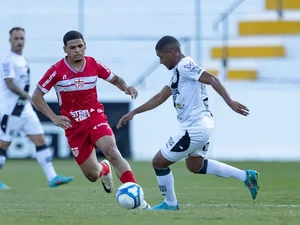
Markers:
76,90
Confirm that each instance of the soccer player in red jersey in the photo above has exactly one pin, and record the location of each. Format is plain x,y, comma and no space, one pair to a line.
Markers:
82,116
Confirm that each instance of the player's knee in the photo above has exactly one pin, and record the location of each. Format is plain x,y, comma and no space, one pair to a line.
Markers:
92,177
4,145
194,168
38,140
158,163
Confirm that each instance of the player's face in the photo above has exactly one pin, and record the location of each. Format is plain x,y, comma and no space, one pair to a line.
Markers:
75,50
17,40
167,58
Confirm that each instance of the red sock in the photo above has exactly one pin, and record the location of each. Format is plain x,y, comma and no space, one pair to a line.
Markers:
105,169
127,176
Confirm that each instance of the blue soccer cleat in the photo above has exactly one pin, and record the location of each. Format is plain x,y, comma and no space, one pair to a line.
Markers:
251,182
59,180
3,186
164,206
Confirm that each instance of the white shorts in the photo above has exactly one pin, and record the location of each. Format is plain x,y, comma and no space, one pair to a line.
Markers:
187,143
11,126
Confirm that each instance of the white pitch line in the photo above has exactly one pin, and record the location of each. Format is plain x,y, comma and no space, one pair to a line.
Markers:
240,205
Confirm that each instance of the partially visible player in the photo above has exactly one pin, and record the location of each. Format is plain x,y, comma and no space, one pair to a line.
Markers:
187,87
16,112
82,115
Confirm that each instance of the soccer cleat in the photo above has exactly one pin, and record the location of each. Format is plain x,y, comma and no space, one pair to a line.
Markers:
251,182
59,180
3,186
107,180
144,205
164,206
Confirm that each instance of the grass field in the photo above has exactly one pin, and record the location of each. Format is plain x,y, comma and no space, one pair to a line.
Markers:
204,199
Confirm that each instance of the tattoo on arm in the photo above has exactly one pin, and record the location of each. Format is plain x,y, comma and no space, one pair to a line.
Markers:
119,82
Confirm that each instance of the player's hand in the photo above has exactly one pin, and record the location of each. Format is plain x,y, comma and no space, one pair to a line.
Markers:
131,91
62,121
239,108
125,119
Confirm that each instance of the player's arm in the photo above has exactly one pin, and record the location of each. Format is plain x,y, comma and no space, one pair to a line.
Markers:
40,103
106,74
207,78
155,101
8,72
123,86
15,89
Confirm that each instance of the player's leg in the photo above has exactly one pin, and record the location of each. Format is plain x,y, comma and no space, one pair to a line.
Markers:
196,163
33,129
165,181
108,146
4,145
93,170
85,155
175,149
10,126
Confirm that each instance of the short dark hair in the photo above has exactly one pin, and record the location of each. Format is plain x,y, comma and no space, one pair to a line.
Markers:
167,41
71,35
16,29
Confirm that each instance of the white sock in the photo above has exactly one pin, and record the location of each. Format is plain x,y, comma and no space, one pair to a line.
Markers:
165,181
223,170
2,161
44,157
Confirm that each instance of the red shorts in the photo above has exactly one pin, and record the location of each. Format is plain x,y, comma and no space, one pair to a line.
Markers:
83,137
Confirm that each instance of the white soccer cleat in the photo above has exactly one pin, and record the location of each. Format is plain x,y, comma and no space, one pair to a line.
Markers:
144,205
107,180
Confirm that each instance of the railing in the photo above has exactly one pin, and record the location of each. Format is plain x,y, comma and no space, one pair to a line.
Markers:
223,19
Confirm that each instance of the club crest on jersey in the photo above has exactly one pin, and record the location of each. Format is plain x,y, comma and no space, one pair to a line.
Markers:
79,83
75,151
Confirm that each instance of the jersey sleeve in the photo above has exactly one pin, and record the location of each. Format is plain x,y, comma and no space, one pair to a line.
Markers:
48,80
104,72
190,70
7,69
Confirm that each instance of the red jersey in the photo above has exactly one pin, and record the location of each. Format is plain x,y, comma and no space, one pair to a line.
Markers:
76,90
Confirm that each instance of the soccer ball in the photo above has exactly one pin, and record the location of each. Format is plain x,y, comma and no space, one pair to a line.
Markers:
130,195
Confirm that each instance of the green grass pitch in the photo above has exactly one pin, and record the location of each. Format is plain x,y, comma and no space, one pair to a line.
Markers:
204,199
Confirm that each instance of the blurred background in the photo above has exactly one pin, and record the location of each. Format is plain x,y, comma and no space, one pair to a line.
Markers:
251,45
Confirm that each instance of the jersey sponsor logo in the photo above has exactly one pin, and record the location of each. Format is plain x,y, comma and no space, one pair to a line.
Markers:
49,79
80,115
100,125
79,83
179,106
75,151
64,77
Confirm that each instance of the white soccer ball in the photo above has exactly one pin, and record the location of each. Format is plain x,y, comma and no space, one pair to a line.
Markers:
130,195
